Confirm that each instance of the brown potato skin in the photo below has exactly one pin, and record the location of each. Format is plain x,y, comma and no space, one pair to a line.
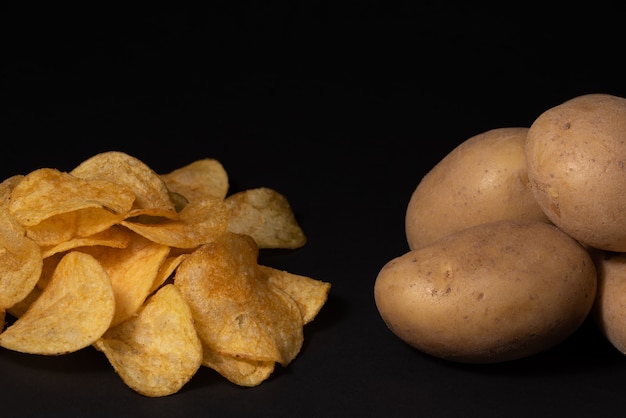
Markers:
481,180
576,163
494,292
609,311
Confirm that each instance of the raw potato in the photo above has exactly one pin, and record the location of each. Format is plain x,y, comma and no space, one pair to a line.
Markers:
494,292
576,156
481,180
610,307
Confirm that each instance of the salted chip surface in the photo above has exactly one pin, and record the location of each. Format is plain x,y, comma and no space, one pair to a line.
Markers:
310,294
72,312
199,222
242,372
20,257
132,271
158,351
266,216
204,177
237,312
47,192
151,193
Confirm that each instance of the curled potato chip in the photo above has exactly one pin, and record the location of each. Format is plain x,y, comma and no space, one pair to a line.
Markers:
47,192
201,221
242,372
132,271
72,312
237,312
205,177
20,257
310,294
115,237
66,226
157,351
149,189
266,216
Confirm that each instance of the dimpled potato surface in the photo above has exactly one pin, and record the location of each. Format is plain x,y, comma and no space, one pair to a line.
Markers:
494,292
576,157
481,180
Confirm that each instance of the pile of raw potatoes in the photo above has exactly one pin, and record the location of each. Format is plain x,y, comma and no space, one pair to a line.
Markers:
516,237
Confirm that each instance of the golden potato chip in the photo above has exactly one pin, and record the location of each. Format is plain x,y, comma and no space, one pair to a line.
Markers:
46,192
72,312
79,223
266,216
201,221
20,257
158,351
158,272
205,177
242,372
115,237
132,271
237,312
310,294
118,167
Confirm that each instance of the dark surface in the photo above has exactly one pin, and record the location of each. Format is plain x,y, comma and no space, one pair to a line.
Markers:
342,108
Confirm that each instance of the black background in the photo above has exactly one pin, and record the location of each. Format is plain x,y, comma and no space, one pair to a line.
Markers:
340,106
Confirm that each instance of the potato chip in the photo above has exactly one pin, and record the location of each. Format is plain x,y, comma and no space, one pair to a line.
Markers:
72,312
66,226
20,257
132,271
242,372
201,221
205,177
115,237
310,294
157,351
150,191
46,192
266,216
158,272
236,310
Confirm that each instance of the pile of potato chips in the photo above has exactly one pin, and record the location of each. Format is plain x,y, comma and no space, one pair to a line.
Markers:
157,271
